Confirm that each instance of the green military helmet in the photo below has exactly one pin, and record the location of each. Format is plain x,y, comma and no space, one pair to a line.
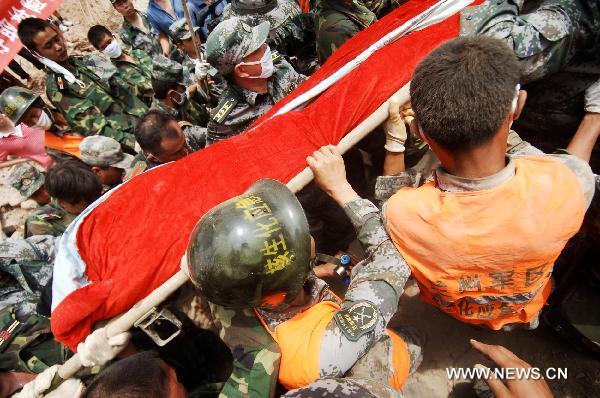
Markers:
14,102
251,248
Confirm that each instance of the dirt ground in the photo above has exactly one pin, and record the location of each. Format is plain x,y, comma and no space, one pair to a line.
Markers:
447,339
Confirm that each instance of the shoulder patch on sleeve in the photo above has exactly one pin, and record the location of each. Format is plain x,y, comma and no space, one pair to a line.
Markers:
220,113
359,319
275,56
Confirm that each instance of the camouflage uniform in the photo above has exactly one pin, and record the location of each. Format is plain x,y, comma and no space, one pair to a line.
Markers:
238,107
195,139
557,44
345,388
136,76
50,219
138,40
338,20
194,110
92,110
278,13
26,343
377,283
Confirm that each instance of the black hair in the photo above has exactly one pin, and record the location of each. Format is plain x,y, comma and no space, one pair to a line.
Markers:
29,28
462,92
141,375
161,87
73,182
152,128
96,34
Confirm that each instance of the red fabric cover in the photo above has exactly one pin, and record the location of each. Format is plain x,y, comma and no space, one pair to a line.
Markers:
133,242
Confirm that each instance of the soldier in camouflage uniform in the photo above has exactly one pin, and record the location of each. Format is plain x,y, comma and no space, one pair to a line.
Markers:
182,38
175,141
173,97
557,43
29,181
51,218
308,324
26,342
338,20
134,67
253,84
106,159
136,31
80,94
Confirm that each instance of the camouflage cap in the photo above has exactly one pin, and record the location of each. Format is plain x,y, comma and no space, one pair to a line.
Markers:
231,41
166,70
26,179
103,151
179,30
276,12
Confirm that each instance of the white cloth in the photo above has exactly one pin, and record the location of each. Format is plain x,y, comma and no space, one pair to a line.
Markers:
592,98
56,68
16,131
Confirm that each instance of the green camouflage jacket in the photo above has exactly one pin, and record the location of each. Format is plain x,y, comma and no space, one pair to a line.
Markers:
557,44
337,21
238,108
195,139
135,77
50,219
26,343
193,110
92,110
138,40
375,288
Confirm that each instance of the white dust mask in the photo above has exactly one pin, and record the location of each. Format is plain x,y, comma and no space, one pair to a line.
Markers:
266,65
113,50
44,122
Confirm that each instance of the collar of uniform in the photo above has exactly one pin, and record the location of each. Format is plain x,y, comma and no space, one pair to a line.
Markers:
354,10
171,111
129,26
451,183
248,95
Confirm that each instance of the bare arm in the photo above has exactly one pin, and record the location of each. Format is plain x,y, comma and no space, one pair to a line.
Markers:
163,39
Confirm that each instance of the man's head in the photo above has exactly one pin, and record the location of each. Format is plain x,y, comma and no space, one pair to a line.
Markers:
124,7
161,137
43,38
235,48
139,375
463,92
252,250
73,185
29,181
22,105
104,41
181,36
106,158
167,81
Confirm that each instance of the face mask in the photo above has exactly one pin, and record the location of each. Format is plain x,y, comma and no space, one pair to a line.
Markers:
44,122
266,65
113,50
181,97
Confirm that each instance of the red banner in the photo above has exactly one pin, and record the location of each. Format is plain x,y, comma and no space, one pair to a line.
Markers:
11,13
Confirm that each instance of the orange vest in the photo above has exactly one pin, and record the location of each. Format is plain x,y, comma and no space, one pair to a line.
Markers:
67,143
299,340
485,257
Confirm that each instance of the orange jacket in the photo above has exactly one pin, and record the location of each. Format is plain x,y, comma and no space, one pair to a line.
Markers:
485,257
299,340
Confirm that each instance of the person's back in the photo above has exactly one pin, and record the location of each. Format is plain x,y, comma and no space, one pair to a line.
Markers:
482,238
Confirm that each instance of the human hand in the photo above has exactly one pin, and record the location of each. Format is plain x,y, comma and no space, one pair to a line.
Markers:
201,70
329,170
514,388
395,129
98,348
